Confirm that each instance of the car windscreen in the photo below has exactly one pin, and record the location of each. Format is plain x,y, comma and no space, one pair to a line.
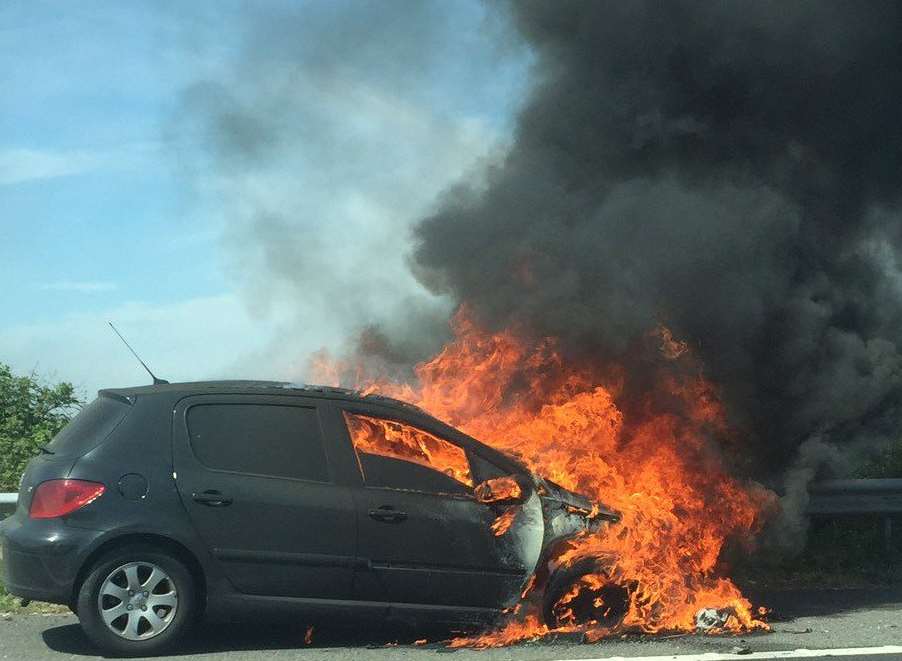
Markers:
87,429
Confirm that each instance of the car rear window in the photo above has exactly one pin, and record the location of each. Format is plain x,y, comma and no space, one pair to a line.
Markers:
90,427
259,439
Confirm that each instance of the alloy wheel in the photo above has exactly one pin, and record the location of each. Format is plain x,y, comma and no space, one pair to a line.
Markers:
138,601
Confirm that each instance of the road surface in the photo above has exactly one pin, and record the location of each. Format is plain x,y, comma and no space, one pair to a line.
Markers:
835,622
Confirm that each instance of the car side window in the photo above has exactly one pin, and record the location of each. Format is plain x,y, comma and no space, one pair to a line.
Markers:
400,456
259,439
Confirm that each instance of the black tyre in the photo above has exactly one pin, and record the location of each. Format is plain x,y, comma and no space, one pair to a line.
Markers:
137,601
596,600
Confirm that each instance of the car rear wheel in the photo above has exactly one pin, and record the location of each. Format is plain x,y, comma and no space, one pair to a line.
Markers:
584,594
137,601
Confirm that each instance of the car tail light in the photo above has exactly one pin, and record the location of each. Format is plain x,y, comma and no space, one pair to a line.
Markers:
55,498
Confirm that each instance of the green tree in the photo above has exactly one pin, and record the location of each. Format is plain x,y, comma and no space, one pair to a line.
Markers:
31,413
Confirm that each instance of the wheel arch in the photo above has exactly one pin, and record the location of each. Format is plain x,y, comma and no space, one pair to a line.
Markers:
558,580
161,542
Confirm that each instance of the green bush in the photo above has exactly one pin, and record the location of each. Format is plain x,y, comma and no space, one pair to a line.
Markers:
7,601
31,413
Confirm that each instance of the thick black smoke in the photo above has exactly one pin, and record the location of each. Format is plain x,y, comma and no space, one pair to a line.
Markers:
731,170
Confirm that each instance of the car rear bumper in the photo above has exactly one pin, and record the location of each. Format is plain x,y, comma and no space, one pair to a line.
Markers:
41,558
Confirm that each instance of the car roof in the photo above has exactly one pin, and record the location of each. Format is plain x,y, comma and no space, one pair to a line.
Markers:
260,387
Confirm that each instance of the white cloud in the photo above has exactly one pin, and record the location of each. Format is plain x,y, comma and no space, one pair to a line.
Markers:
23,165
81,287
20,165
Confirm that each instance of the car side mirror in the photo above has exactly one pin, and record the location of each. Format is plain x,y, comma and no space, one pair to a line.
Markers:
498,490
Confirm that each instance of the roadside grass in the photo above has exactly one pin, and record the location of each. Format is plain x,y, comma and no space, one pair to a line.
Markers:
841,553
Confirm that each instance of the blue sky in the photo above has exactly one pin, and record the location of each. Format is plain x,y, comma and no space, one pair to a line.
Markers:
119,202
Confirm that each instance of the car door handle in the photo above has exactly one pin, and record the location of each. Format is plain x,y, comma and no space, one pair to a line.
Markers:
211,498
388,514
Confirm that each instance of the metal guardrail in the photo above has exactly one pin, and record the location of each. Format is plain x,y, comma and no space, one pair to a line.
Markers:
7,504
836,497
839,498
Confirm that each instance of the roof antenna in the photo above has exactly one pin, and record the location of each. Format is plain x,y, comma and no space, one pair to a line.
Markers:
156,381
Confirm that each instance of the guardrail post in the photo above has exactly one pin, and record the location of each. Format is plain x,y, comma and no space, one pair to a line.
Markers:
888,534
7,504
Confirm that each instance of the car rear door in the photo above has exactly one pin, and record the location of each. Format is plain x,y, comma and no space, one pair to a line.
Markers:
424,537
257,476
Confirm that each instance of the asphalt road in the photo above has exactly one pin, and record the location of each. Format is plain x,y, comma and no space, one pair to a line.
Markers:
814,620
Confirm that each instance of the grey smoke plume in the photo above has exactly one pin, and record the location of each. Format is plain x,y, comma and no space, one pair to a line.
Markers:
729,169
323,135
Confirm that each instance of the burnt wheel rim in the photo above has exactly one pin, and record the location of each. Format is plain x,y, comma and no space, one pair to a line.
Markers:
138,601
592,599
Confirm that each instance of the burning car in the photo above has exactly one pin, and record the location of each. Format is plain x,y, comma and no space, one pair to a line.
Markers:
161,503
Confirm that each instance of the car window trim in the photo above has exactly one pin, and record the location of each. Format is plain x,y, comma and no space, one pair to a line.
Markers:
439,494
260,475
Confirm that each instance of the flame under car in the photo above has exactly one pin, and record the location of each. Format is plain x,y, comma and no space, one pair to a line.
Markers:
221,497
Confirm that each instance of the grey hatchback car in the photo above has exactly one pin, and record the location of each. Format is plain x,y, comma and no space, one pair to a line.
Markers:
159,504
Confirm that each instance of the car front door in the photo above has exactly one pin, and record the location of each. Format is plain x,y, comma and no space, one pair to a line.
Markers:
424,536
257,477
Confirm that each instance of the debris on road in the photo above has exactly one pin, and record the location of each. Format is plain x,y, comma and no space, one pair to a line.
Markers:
796,631
712,618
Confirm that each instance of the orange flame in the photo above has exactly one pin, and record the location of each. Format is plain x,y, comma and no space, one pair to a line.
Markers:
664,474
504,522
591,583
498,490
401,441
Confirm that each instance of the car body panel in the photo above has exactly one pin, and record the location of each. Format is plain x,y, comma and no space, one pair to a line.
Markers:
41,558
297,538
442,553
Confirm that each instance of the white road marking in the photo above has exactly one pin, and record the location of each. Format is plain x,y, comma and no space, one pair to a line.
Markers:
787,654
